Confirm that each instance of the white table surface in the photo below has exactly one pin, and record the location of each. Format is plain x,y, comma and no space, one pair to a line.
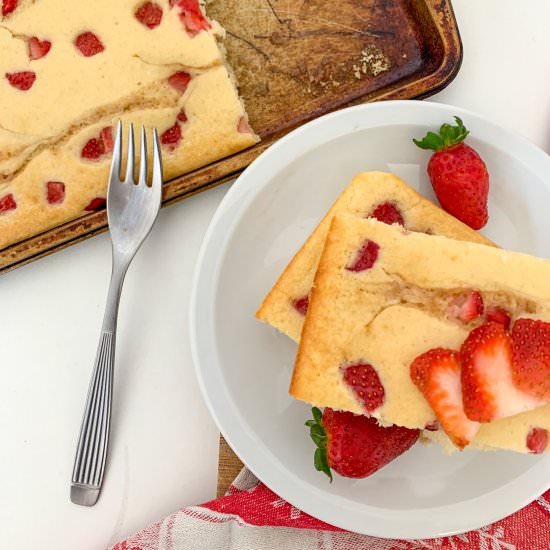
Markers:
164,444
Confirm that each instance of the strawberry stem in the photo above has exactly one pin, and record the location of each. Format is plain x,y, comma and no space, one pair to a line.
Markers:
448,136
319,435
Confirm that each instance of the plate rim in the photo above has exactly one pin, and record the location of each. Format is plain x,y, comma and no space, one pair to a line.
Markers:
257,456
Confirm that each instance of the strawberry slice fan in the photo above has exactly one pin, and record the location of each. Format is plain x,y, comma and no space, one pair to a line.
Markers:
497,374
250,515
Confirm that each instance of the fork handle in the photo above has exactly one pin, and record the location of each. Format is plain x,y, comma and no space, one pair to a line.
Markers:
91,453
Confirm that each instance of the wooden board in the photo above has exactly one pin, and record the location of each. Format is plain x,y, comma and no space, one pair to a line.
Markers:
296,60
229,465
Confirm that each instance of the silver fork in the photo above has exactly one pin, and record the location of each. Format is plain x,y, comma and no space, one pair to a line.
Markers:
131,211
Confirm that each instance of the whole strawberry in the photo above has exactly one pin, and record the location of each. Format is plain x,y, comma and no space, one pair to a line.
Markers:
458,174
355,445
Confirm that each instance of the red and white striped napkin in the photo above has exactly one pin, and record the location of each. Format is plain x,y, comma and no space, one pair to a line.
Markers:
252,517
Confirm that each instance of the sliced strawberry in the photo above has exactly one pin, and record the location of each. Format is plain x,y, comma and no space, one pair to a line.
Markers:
388,213
172,136
55,192
7,203
537,440
106,136
355,445
179,81
243,127
366,257
23,80
301,305
498,315
182,117
8,6
96,204
489,392
149,14
436,374
531,340
466,307
365,384
191,16
38,48
93,149
89,44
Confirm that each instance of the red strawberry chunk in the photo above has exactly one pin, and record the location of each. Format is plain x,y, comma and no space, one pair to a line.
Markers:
89,44
243,127
93,149
388,213
365,384
436,374
55,192
191,16
96,204
38,48
466,307
531,340
537,440
488,386
106,136
8,6
301,305
179,81
172,136
22,80
498,315
149,14
7,203
182,117
366,257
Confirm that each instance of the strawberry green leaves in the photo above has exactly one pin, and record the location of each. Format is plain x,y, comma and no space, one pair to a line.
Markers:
319,436
448,136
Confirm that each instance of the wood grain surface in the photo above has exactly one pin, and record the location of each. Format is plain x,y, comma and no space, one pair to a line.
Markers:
229,465
296,60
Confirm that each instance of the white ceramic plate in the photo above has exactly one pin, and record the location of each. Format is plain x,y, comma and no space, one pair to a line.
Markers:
244,366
